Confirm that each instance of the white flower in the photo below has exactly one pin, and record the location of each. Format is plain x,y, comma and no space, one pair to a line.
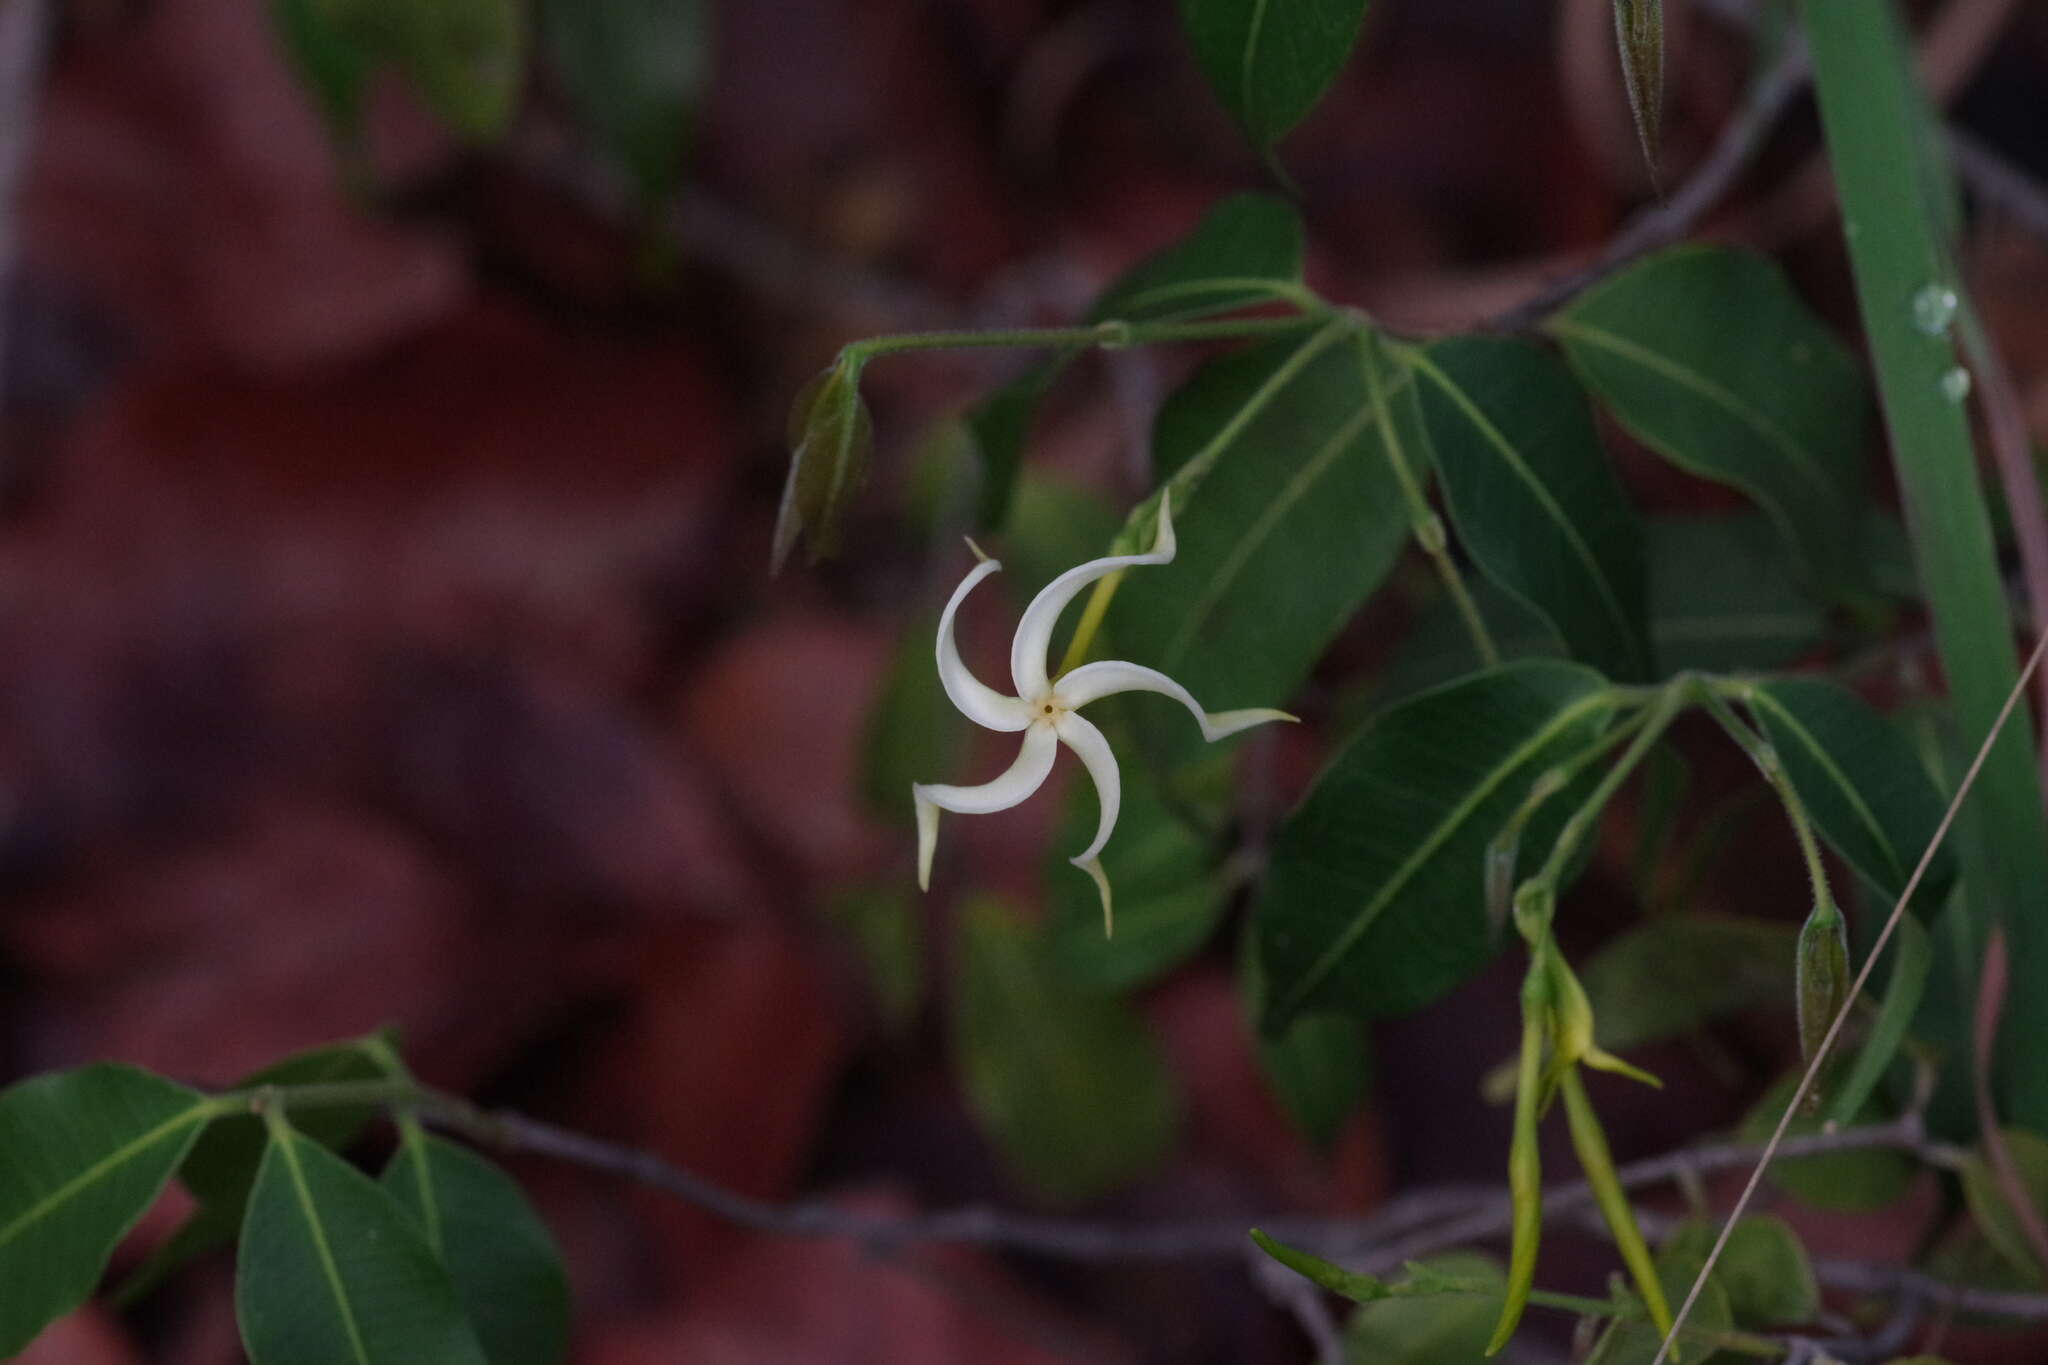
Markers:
1049,713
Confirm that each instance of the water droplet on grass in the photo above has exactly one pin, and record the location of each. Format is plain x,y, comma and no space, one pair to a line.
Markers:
1934,308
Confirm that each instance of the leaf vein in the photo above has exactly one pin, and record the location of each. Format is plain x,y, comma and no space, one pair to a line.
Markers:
92,1174
318,1231
1495,437
1564,719
1799,456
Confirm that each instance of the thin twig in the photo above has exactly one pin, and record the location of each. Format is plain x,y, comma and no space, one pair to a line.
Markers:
1858,1277
1416,1224
1429,1219
1663,223
759,254
1905,1134
1827,1043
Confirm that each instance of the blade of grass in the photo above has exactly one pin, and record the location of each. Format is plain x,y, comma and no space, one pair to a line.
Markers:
1876,121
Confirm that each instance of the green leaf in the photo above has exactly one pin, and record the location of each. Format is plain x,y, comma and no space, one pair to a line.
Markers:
635,71
87,1152
1723,599
1667,777
1054,525
1532,496
331,1270
1323,1274
1270,61
1246,250
467,58
1911,960
913,733
886,925
999,427
1169,898
507,1272
1764,1268
1297,519
1672,974
334,66
221,1166
1895,219
1992,1208
1431,1329
1707,356
1068,1087
1861,781
831,439
1851,1182
1639,33
1438,648
1375,898
1320,1066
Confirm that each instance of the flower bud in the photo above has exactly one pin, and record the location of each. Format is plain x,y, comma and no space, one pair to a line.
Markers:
1822,976
831,438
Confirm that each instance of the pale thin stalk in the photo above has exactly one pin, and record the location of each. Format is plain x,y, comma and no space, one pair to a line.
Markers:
1827,1042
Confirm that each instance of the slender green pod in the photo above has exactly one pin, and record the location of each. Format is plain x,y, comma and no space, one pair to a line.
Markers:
1525,1164
1590,1142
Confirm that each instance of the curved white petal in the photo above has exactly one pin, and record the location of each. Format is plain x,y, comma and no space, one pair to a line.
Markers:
1034,630
1091,682
1023,777
976,700
1093,750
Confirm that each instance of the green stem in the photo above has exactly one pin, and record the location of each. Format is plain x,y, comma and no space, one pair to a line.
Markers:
1503,851
1669,705
403,1096
412,1134
1113,334
1428,526
1713,694
1623,1310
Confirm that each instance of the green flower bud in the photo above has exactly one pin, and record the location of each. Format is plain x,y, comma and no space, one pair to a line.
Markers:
1823,974
831,437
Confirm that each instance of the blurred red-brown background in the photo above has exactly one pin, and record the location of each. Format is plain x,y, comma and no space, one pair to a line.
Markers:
385,635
